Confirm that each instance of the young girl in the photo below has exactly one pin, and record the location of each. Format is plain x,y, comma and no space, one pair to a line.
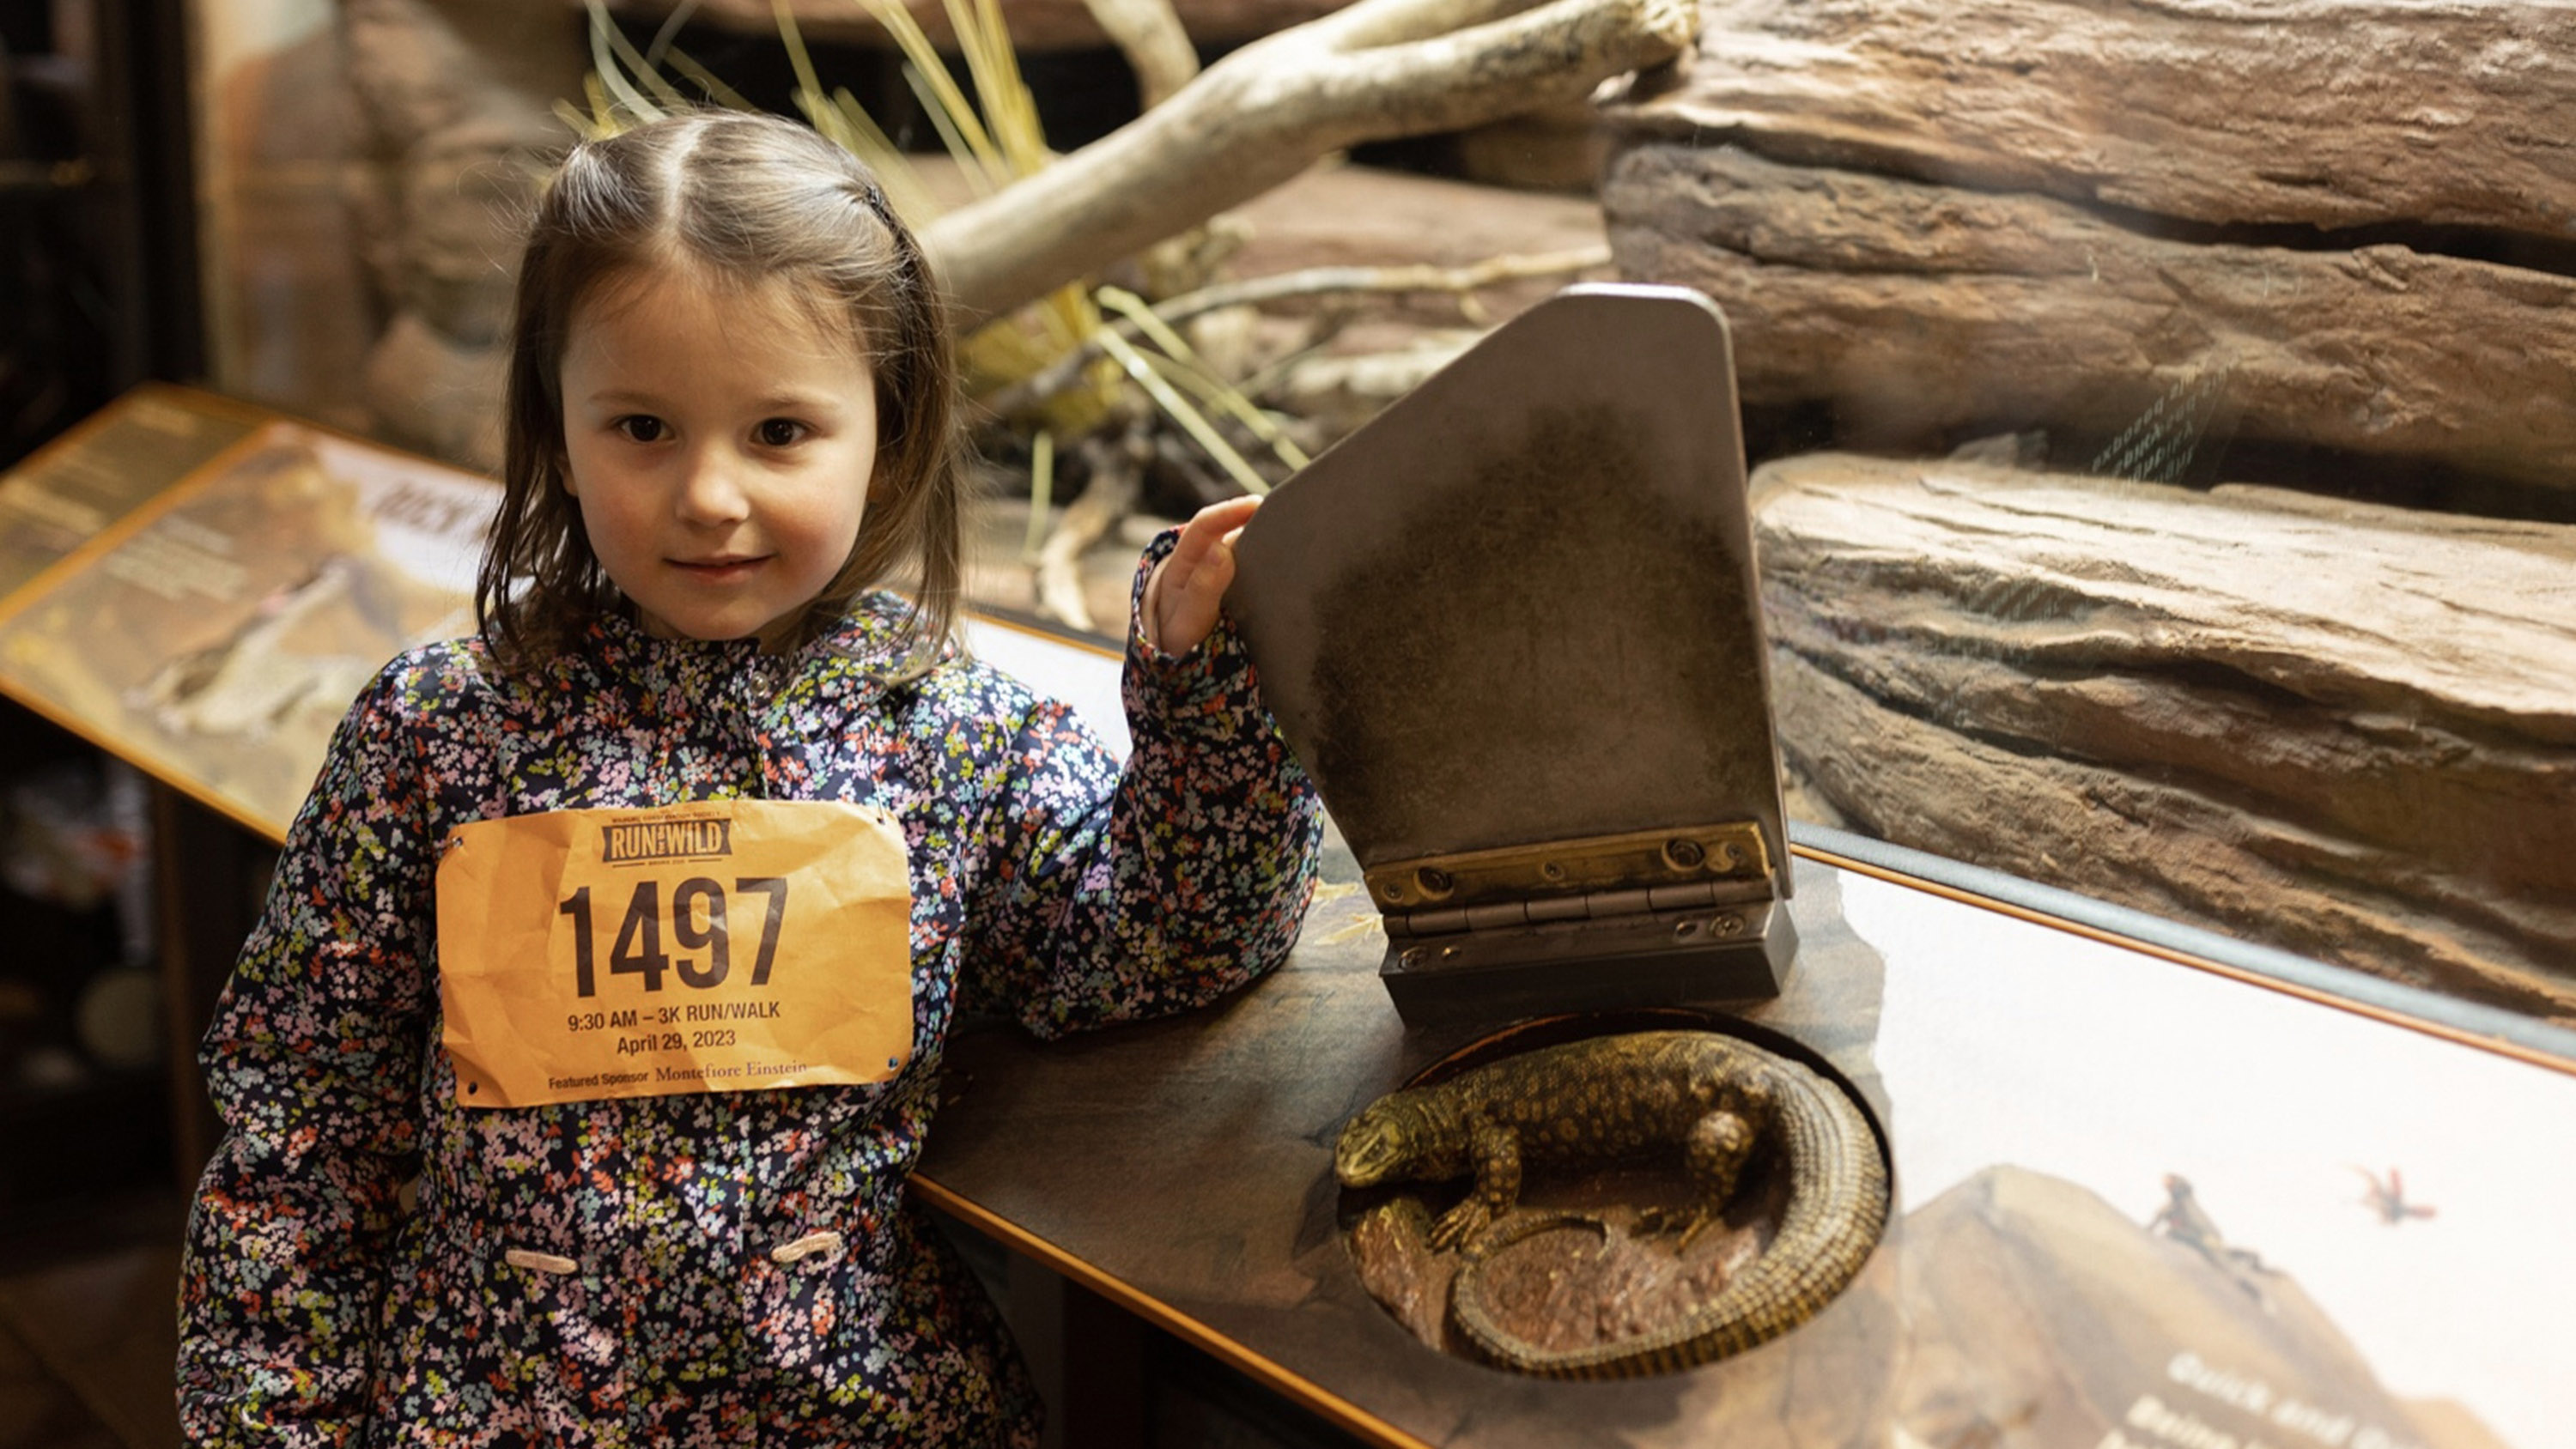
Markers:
729,414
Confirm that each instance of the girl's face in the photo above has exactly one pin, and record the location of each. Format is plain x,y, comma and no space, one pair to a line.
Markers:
719,443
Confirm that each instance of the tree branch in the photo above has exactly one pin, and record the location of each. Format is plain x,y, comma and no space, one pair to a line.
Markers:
1380,69
1158,49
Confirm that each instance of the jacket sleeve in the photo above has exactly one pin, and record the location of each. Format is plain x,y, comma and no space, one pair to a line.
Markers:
1122,894
313,1061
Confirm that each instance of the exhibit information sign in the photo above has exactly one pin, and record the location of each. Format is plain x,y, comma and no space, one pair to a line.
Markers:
75,487
215,635
2146,1207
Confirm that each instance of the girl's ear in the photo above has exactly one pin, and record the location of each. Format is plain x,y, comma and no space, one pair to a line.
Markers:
563,473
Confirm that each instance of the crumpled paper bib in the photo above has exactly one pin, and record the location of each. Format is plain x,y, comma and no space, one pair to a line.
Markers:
716,946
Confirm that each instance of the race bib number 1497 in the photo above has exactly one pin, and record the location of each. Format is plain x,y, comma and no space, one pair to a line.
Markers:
718,946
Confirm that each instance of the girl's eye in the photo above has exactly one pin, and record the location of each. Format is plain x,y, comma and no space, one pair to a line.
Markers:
780,432
641,428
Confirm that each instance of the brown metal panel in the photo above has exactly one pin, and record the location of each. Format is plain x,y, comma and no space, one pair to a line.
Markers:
1520,605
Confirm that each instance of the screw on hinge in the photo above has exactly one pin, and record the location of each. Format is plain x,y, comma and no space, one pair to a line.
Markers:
1434,881
1684,854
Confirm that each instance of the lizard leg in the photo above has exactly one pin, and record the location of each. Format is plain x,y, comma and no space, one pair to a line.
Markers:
1715,1151
1495,1151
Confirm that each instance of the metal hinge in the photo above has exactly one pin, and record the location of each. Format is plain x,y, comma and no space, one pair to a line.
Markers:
1603,877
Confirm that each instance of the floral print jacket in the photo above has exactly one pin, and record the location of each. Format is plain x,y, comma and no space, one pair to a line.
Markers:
727,1268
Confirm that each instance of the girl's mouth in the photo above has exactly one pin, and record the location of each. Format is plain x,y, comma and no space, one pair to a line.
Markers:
718,570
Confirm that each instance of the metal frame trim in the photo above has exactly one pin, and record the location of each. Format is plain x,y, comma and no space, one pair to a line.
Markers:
2473,1024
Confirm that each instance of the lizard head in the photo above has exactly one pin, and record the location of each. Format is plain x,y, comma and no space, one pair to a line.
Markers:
1376,1145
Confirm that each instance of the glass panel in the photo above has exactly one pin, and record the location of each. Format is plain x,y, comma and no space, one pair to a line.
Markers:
2162,416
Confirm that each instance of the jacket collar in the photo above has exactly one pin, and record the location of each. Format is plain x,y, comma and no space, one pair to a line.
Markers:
863,647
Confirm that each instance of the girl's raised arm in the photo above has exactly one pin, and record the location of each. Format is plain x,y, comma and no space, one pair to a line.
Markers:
1128,893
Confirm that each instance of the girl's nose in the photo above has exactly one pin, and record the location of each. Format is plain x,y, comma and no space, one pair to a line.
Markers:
710,491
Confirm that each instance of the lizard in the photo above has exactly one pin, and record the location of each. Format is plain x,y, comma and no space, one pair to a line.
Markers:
1710,1095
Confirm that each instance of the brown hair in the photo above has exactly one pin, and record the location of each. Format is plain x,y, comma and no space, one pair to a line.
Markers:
749,197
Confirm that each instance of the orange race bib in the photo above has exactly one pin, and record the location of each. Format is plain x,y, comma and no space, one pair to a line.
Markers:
719,946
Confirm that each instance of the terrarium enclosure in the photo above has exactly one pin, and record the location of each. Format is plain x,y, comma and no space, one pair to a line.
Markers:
2163,416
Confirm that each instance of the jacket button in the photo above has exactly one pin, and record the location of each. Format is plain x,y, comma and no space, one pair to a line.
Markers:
537,1262
806,1247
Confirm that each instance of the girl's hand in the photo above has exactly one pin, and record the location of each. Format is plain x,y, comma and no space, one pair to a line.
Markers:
1181,599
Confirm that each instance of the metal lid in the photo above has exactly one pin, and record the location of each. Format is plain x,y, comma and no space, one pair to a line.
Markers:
1520,605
